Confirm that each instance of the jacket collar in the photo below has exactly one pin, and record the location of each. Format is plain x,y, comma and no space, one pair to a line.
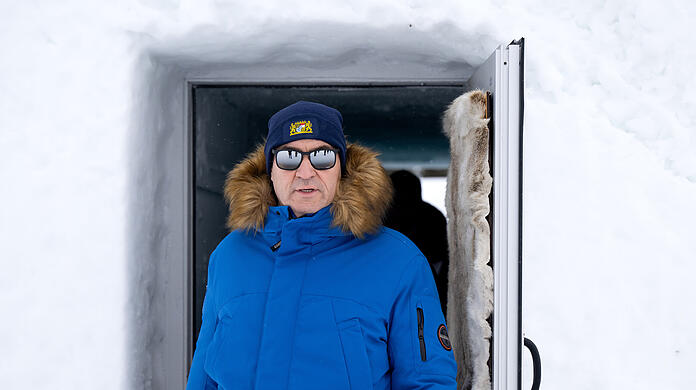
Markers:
362,197
318,224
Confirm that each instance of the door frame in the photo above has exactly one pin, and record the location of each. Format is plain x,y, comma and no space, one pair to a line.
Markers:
503,76
503,371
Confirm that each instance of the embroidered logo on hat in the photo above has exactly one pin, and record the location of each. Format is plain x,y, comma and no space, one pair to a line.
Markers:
300,127
443,337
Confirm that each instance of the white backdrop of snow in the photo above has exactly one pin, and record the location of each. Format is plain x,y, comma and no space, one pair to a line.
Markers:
609,169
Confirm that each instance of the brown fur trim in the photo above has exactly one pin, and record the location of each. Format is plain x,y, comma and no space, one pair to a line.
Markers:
364,193
362,197
249,193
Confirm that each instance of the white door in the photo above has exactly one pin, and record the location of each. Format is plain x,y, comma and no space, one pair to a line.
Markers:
502,76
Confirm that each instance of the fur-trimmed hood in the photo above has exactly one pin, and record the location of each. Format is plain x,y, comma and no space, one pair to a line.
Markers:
362,196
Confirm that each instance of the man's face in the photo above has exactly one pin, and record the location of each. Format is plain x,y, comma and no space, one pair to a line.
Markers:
319,185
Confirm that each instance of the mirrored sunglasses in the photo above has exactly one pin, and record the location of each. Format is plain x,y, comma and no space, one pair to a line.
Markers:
290,159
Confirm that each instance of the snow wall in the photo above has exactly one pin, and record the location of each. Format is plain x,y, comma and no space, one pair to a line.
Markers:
93,155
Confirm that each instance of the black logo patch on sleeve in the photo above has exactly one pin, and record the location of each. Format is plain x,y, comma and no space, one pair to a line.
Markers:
443,337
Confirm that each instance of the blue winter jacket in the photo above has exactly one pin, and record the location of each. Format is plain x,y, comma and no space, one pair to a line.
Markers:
302,304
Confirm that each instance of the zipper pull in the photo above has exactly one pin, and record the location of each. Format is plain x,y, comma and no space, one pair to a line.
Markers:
275,246
421,338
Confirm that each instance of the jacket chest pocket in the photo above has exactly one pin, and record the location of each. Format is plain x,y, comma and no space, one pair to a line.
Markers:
362,357
231,354
355,354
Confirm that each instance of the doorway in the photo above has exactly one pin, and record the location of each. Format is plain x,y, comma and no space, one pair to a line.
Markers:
401,122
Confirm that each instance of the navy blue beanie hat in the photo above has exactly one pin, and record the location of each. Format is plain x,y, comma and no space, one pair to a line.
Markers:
305,120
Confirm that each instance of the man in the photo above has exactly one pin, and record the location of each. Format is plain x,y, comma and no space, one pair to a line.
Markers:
309,291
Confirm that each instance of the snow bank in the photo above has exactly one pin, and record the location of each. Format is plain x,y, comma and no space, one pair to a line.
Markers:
90,156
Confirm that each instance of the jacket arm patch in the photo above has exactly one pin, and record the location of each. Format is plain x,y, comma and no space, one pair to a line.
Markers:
417,356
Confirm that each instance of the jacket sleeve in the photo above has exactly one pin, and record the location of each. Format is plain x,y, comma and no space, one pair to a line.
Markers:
198,379
420,352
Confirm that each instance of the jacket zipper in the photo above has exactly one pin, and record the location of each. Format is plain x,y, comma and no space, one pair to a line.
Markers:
420,333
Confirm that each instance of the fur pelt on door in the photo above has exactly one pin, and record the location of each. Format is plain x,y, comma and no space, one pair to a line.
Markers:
470,291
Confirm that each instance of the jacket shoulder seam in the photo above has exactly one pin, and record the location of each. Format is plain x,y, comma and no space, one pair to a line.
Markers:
401,238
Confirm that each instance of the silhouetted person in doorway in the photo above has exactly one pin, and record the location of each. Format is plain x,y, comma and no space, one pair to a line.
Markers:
423,224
